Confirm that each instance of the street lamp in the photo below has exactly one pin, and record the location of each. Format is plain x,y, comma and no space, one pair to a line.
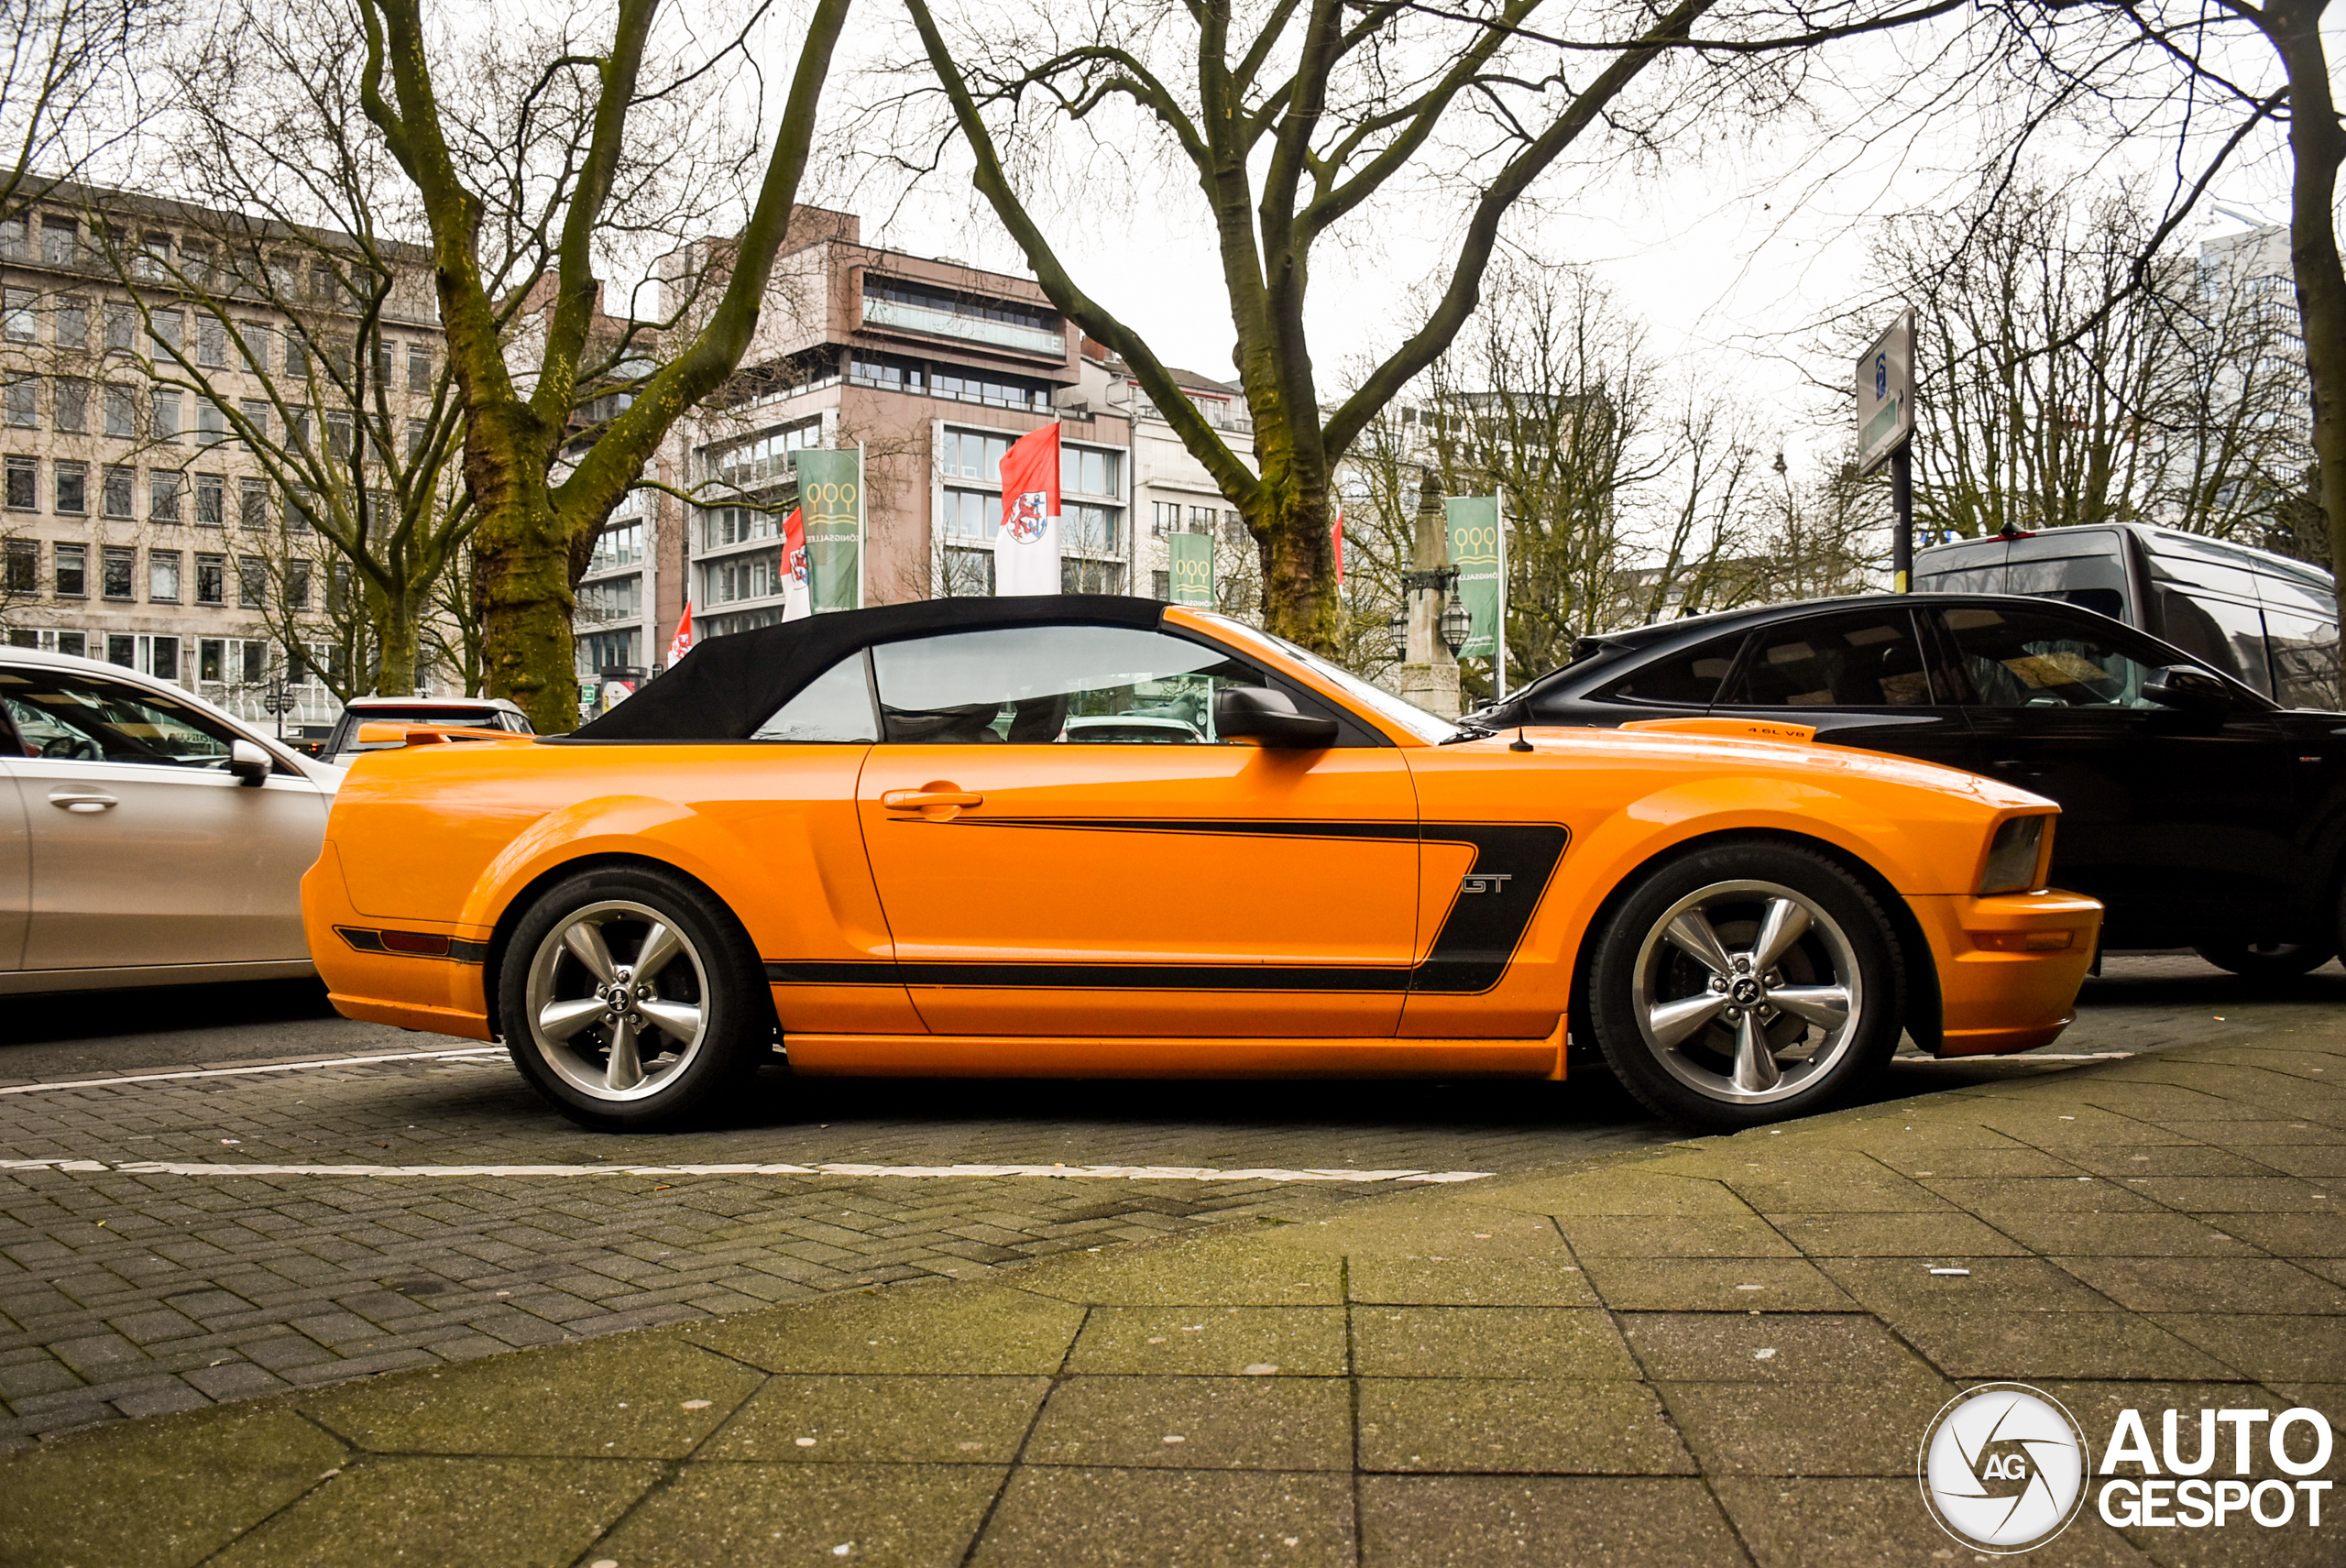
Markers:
1399,629
1456,625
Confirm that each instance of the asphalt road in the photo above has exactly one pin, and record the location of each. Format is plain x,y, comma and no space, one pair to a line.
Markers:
161,1254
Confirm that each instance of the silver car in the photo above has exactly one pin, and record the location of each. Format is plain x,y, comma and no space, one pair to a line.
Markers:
146,837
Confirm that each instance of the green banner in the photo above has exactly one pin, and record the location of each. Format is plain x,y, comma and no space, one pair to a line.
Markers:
1189,559
1475,550
830,504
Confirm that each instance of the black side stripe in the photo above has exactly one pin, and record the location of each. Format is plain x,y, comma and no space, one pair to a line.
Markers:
414,945
1470,953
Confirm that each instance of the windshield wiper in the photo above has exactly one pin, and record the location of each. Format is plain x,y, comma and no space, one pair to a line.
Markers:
1467,729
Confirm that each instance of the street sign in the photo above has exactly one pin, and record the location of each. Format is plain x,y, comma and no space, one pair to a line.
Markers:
1885,394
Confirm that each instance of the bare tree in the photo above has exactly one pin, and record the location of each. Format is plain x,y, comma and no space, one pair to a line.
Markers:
532,165
1303,125
67,89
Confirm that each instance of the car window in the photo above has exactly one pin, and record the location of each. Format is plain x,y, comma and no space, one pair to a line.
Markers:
1029,684
836,706
2017,658
1858,659
2223,635
2305,658
77,717
1690,679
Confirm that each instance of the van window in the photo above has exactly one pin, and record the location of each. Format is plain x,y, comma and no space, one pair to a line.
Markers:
1865,659
2221,633
2304,659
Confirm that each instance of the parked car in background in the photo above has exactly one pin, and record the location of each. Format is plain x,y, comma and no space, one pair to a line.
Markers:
2265,620
146,837
871,831
2199,811
473,712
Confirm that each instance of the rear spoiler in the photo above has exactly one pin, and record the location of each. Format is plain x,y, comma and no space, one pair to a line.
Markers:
400,733
1731,729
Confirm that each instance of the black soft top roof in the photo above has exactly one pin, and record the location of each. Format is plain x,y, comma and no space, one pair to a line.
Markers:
724,688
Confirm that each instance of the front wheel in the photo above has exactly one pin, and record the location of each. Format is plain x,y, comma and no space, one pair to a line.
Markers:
2267,960
633,1001
1746,983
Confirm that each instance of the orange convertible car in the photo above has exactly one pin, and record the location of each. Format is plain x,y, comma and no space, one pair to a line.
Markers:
1091,836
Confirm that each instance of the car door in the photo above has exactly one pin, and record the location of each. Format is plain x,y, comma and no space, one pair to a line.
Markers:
144,849
2179,824
1041,877
1862,677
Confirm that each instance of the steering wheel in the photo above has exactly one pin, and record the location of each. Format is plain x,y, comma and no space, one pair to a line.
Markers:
72,748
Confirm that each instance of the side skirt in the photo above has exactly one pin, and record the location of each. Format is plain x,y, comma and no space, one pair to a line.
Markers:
1029,1055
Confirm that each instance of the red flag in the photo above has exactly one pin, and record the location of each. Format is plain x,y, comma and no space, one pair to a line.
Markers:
683,641
1026,552
1337,533
797,571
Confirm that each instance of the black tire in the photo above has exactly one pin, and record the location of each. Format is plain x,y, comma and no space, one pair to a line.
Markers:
699,1026
1672,1027
2268,961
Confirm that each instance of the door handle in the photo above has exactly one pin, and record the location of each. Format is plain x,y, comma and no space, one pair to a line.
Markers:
81,802
936,803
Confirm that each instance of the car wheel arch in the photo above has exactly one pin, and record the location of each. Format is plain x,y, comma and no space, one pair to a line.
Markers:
1925,1015
526,896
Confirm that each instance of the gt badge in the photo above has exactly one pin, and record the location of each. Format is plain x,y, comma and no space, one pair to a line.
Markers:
1485,882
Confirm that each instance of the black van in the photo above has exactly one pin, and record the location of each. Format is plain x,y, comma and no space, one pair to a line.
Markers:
2262,617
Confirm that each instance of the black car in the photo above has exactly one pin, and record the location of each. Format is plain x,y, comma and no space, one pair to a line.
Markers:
2202,814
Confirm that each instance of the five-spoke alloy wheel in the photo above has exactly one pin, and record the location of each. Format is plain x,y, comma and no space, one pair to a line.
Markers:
631,1000
1745,982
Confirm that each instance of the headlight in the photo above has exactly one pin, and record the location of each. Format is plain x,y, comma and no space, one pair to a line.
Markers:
2012,856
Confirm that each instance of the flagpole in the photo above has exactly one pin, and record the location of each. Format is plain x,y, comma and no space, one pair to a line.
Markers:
1499,643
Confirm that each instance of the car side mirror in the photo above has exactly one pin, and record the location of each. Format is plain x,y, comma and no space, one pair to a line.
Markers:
1270,717
2190,691
247,763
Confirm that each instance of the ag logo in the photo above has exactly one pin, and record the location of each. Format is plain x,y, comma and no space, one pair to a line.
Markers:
2003,1468
1026,523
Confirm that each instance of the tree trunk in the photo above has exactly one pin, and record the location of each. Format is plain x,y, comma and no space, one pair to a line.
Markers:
521,554
1292,525
2317,146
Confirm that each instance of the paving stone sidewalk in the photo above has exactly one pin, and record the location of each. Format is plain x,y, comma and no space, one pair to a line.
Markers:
1724,1351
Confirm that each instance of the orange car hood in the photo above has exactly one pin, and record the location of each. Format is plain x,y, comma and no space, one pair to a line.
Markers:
1599,746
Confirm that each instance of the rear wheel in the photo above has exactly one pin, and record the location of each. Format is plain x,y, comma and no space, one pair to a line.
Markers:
633,1001
2268,961
1746,983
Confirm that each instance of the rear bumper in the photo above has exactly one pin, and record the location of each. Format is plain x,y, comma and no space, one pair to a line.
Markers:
2009,966
424,975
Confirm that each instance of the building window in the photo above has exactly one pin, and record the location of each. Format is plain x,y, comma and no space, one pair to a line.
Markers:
1001,392
23,402
210,341
252,503
971,454
69,407
252,582
60,241
256,668
1091,529
619,544
211,581
167,413
210,654
736,525
601,650
73,565
967,574
163,576
163,495
122,412
1164,517
620,599
337,433
121,567
256,412
18,322
1077,575
165,327
1161,586
971,514
297,585
753,464
418,431
119,485
211,423
255,336
24,566
70,324
122,650
73,488
14,237
299,504
24,484
162,657
122,325
756,574
419,367
885,372
211,499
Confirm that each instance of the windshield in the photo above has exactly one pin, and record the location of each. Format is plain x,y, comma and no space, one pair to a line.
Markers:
1408,716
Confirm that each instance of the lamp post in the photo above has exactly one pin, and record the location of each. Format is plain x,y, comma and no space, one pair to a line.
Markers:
1457,623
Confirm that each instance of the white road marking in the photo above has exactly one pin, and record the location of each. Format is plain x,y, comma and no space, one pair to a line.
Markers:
2022,1057
1077,1172
468,1052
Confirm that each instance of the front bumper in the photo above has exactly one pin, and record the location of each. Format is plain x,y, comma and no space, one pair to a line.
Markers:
2009,966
